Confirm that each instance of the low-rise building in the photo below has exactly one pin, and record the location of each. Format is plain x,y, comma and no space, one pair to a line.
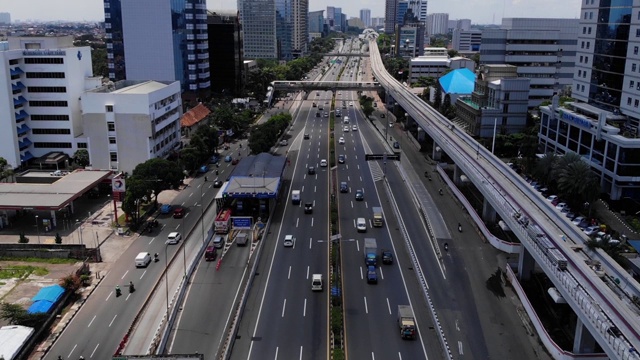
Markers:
130,122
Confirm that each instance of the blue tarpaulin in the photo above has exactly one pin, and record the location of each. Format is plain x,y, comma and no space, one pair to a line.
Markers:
460,81
45,299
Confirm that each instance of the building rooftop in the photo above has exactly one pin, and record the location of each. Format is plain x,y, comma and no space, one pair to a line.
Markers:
131,87
460,81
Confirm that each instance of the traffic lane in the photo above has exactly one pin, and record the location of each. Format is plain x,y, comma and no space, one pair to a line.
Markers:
209,303
371,309
101,322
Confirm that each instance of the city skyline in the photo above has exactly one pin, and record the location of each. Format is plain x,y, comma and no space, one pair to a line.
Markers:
479,11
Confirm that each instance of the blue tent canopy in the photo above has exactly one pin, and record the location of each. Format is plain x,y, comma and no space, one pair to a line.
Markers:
460,81
41,306
50,293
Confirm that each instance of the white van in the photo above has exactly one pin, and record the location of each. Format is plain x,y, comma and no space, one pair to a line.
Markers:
295,197
345,120
143,259
316,282
361,225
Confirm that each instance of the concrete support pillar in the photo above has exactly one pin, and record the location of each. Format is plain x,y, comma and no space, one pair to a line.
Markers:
456,175
54,221
583,342
436,153
526,264
488,212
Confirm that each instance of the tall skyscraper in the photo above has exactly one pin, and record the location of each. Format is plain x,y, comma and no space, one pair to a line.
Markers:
390,15
225,52
339,20
316,21
365,16
161,40
603,126
5,18
437,23
274,29
331,11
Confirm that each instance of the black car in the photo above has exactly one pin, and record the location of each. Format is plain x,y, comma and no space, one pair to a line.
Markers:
306,136
344,187
387,257
396,145
311,170
217,183
341,159
359,195
308,208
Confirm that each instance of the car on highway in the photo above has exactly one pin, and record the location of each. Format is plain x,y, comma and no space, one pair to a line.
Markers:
173,238
318,114
235,162
361,224
306,136
326,114
387,257
345,128
372,276
284,142
311,170
359,195
308,208
178,212
228,158
341,140
341,159
351,103
354,128
289,241
344,187
165,208
338,114
323,163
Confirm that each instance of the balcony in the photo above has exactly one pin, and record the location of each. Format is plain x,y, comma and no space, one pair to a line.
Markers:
21,116
24,144
19,101
23,130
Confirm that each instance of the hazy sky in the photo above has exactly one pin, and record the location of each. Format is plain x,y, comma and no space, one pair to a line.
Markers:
479,11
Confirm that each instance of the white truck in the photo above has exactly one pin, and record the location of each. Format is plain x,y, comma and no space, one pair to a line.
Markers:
407,322
370,251
295,197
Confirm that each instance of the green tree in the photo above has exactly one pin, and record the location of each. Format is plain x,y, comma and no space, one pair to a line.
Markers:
136,191
158,174
437,101
578,184
544,168
5,170
99,62
81,157
71,282
16,315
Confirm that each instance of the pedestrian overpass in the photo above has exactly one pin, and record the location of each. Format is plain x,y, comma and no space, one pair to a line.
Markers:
347,54
311,85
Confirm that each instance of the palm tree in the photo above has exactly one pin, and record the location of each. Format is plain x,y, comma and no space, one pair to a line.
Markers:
578,184
544,166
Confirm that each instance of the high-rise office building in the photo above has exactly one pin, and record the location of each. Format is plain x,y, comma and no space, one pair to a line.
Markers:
316,21
339,20
160,40
365,16
5,18
603,126
225,52
274,29
437,23
390,16
543,50
331,12
42,80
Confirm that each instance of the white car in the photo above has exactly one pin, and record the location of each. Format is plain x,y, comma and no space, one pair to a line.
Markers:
351,103
323,163
591,230
561,206
578,220
173,238
284,142
354,128
341,140
552,197
345,128
289,241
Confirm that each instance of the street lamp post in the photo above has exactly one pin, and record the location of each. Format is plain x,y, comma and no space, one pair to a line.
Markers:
38,229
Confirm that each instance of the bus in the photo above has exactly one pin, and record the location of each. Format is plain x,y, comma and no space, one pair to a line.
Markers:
223,221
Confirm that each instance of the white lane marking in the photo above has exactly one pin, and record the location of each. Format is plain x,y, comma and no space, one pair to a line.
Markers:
297,221
284,306
183,203
74,347
289,275
307,272
178,227
358,243
315,189
190,195
358,167
108,296
351,204
381,274
460,351
112,320
310,242
125,274
361,276
91,322
457,325
399,355
302,190
300,352
388,306
94,350
366,308
187,214
143,274
276,353
311,222
304,310
153,238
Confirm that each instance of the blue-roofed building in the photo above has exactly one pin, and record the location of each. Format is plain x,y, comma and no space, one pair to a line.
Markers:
457,83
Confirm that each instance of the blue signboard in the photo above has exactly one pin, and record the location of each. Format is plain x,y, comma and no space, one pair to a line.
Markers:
241,222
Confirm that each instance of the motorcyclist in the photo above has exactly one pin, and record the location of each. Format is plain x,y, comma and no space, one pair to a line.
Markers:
440,191
459,227
155,257
118,290
446,247
205,179
131,287
217,172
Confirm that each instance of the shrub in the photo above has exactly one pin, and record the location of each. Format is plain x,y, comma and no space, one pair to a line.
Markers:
23,239
58,238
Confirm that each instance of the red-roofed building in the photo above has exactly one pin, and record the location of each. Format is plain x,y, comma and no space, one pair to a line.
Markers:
192,118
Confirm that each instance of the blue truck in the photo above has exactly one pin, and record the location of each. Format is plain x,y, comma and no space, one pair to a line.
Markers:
370,252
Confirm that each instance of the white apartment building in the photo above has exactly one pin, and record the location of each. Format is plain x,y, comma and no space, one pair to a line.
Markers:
130,122
437,23
466,40
365,16
544,50
434,63
41,82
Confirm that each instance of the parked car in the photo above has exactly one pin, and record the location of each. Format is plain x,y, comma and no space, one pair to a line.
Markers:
552,197
578,220
591,230
284,142
561,206
555,202
570,214
396,145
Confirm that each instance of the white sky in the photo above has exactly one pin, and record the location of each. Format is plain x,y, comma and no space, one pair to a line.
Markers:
479,11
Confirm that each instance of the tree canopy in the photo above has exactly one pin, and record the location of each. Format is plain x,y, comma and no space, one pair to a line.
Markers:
264,136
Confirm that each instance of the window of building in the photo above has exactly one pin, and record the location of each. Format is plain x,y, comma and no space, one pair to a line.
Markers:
590,15
636,103
46,89
635,50
52,145
581,57
109,108
112,139
629,101
113,156
45,75
82,145
637,32
49,117
631,83
111,126
51,131
588,44
638,85
584,30
633,67
579,73
40,60
582,44
47,103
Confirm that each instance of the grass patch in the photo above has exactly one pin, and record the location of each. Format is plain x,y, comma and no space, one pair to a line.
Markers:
40,260
21,271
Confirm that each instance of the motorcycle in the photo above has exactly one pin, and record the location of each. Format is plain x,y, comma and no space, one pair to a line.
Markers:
118,291
446,247
131,287
459,227
155,257
440,191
